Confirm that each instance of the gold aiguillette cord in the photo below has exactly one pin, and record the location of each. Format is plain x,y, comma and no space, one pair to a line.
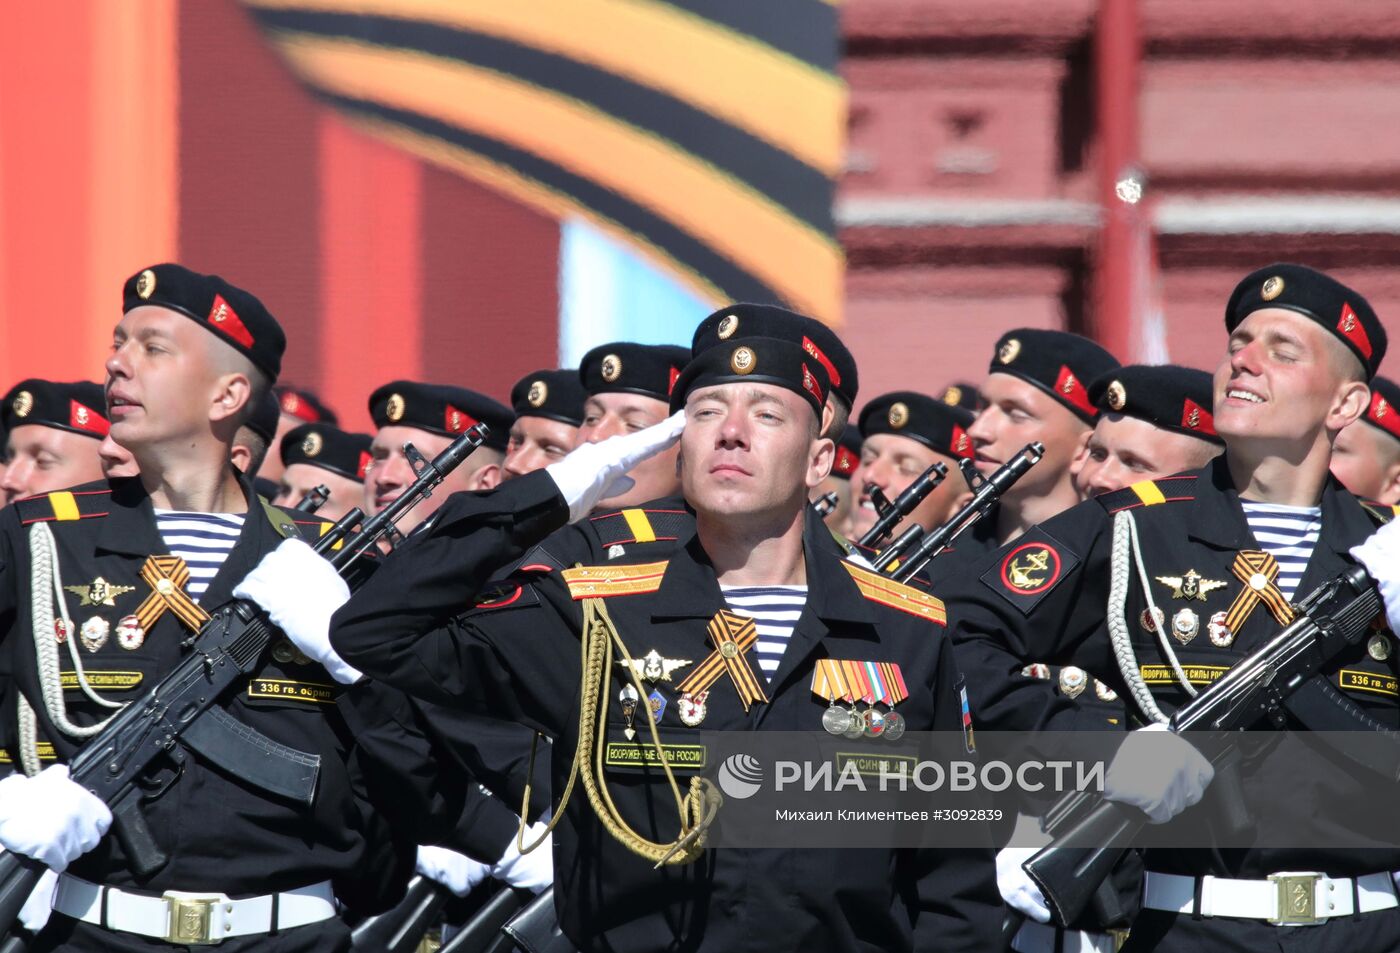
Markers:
696,809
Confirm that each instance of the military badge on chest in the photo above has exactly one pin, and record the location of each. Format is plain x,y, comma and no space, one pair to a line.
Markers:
654,668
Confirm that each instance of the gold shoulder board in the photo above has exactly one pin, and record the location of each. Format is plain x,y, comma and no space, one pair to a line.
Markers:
596,582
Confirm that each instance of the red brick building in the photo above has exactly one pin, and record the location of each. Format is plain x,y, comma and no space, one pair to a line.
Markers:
970,201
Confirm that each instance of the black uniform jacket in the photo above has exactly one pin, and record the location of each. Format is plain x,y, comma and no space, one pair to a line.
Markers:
517,656
1044,596
220,833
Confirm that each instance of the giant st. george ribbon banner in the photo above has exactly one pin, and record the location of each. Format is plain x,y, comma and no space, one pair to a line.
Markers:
706,133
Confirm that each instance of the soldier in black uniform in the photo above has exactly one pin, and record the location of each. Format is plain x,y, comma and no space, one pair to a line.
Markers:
295,406
1154,420
430,416
1037,388
906,432
964,395
53,434
770,321
751,452
1225,549
1366,456
324,455
838,481
548,409
137,564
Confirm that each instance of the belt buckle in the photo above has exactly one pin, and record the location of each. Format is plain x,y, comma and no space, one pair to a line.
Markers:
191,918
1297,899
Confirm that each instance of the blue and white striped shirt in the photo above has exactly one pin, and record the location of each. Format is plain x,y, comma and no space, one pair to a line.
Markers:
1289,534
775,610
202,540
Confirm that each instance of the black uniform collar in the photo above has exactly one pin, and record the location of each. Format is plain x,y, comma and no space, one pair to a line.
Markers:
130,529
689,588
1219,520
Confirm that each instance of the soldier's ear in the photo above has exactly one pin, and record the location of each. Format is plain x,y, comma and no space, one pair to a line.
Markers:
232,393
1353,397
820,461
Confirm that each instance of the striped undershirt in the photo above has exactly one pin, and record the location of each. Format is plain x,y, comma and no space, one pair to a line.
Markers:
202,540
775,610
1289,534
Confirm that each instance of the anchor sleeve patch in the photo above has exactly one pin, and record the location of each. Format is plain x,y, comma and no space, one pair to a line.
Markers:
1030,569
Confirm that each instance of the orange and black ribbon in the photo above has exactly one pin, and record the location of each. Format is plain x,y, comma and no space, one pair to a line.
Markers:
167,576
733,635
1257,570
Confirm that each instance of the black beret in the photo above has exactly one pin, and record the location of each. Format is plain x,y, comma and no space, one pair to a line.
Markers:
963,395
327,447
1385,401
770,321
79,407
1179,399
847,453
303,404
1059,363
263,420
1314,295
756,361
625,368
940,427
231,314
553,395
439,409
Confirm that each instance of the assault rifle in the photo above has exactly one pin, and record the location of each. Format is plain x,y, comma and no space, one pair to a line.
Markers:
904,504
986,491
314,500
181,712
1089,832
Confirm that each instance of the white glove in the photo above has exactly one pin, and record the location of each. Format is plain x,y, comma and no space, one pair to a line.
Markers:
300,591
1016,886
1158,772
50,818
454,871
596,471
533,871
1380,554
35,912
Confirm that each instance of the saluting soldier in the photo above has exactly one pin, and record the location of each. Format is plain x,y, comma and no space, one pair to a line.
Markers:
1224,550
1037,388
430,416
750,453
53,434
738,321
324,455
1366,456
101,587
548,409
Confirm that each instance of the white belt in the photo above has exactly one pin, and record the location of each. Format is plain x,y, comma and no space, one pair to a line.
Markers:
1040,938
1287,899
181,917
